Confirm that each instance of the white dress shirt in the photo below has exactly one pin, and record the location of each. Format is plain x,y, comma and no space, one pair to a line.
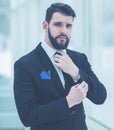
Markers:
51,52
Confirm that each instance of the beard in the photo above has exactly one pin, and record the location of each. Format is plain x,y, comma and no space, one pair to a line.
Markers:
60,46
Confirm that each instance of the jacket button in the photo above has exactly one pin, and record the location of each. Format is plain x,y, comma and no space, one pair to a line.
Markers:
73,112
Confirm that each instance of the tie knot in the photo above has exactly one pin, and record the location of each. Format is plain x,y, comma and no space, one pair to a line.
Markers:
58,53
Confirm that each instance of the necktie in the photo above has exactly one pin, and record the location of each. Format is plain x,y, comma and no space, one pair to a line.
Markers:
66,79
59,71
69,82
60,76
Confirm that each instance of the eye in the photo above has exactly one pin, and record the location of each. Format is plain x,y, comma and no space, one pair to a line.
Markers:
58,24
69,25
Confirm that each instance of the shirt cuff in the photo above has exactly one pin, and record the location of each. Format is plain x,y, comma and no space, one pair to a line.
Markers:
77,79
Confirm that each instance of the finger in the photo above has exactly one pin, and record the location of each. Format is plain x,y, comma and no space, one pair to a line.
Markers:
60,56
58,60
76,85
60,52
86,87
82,84
57,56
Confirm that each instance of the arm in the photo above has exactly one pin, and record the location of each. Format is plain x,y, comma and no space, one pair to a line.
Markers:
96,92
68,63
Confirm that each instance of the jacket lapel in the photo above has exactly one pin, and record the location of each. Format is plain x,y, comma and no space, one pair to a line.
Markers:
46,62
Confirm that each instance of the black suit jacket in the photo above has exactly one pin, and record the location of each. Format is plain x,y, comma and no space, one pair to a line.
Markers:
40,96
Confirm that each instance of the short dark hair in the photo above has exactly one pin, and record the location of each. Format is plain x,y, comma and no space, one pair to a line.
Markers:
59,7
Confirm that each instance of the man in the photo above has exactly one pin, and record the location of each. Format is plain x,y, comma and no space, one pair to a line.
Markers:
51,82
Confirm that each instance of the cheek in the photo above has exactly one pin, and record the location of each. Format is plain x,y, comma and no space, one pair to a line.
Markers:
54,32
69,33
70,30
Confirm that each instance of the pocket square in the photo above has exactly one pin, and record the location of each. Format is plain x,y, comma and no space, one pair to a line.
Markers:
45,75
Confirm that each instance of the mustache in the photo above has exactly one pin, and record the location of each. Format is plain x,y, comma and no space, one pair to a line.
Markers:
63,35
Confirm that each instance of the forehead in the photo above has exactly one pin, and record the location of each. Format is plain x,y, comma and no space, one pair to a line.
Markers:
58,17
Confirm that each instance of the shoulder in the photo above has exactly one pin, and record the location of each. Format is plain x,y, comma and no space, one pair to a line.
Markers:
27,61
29,57
80,59
76,54
30,60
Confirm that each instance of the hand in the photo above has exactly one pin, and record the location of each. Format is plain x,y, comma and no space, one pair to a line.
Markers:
64,62
77,94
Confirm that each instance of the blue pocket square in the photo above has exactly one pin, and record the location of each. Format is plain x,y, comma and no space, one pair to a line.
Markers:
45,75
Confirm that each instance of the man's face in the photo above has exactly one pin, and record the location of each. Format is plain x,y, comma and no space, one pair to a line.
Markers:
59,30
62,44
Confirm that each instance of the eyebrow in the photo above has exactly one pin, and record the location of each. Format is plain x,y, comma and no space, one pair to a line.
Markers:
61,23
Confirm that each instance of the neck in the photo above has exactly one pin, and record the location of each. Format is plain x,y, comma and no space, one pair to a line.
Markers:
47,41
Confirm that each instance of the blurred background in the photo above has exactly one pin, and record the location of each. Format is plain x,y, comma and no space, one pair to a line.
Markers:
93,33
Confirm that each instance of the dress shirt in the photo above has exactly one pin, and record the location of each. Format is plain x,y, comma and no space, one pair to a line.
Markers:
51,52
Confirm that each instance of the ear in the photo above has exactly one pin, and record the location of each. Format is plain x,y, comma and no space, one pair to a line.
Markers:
45,25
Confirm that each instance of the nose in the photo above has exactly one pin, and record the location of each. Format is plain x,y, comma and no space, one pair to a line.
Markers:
64,30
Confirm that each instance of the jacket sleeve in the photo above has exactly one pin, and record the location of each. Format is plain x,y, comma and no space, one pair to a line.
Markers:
97,92
30,111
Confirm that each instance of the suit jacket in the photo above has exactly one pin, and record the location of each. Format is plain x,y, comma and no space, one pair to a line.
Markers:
40,97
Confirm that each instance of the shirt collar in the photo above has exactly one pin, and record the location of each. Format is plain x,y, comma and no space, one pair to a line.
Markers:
49,50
